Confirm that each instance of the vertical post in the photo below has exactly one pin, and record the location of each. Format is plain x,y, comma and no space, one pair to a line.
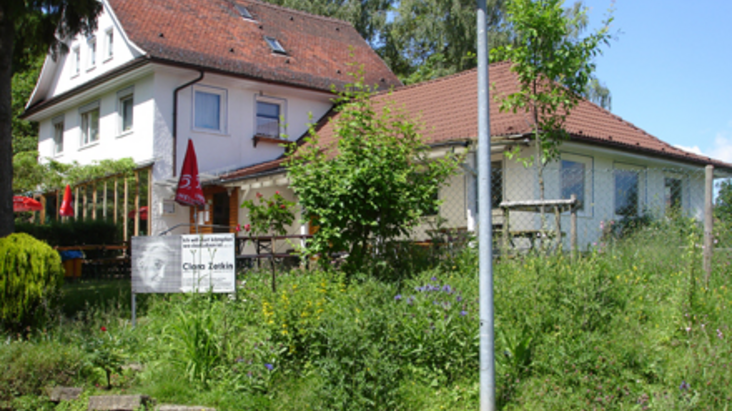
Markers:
85,201
506,231
485,227
58,204
116,198
558,227
104,201
708,223
149,200
76,202
94,201
137,203
43,209
134,309
124,210
573,226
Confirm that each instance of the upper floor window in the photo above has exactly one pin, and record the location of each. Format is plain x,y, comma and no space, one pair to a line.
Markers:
268,119
92,52
76,53
58,135
209,109
125,109
89,123
108,44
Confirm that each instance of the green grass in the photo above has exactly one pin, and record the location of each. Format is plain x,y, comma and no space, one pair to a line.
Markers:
627,327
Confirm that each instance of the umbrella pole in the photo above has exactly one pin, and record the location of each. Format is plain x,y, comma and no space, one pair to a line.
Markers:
195,217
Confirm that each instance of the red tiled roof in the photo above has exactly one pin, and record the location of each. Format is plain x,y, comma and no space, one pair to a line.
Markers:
447,109
212,34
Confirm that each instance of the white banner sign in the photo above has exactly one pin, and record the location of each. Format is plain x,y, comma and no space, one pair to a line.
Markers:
180,264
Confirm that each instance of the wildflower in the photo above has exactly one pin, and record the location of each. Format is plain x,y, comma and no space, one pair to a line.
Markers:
463,313
259,195
410,300
719,334
447,289
602,225
433,278
269,366
247,227
277,193
688,329
702,326
458,298
684,386
238,228
104,329
398,297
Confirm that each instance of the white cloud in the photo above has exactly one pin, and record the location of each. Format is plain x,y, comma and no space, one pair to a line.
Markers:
695,149
722,148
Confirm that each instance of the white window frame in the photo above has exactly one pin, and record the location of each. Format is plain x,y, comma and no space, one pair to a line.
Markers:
283,112
55,123
684,189
123,95
589,201
108,44
222,93
76,63
642,185
86,111
92,57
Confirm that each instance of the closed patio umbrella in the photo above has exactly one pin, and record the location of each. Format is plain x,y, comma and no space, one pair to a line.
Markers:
21,203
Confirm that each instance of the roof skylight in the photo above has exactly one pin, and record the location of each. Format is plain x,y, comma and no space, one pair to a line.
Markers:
244,12
275,45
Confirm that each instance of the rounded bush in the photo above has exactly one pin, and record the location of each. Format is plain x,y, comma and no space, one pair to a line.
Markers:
30,272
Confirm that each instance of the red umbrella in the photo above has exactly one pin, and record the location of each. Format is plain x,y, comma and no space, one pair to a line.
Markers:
66,210
25,204
189,191
143,213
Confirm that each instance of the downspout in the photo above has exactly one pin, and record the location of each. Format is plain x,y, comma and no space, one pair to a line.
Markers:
175,116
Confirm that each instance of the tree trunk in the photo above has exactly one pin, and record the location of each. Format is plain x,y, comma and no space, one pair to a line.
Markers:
7,38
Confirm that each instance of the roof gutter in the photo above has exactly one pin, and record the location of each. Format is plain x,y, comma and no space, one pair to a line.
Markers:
175,116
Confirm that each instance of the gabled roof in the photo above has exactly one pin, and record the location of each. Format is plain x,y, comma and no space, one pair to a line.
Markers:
447,109
212,34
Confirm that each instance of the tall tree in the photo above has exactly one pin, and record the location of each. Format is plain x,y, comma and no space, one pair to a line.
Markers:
27,28
25,133
554,65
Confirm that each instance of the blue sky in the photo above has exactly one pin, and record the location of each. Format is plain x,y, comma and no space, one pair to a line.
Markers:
669,70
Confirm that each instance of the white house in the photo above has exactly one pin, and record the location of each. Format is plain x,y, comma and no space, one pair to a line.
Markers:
235,77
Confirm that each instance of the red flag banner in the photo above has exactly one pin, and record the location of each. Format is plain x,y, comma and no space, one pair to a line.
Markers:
66,210
189,191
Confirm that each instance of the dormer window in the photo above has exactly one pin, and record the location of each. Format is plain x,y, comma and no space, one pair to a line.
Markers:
275,45
108,44
244,12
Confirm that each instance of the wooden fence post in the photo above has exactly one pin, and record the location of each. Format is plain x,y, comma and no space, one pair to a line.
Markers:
124,212
94,200
573,226
149,200
708,223
137,203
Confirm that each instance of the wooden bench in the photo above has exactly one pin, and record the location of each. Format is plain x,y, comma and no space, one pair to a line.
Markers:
541,206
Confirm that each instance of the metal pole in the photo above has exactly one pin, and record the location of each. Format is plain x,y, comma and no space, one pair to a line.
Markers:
708,223
134,309
485,228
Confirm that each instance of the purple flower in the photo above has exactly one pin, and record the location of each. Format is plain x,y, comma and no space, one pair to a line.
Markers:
719,334
398,297
447,289
434,278
269,366
410,300
458,298
684,386
463,313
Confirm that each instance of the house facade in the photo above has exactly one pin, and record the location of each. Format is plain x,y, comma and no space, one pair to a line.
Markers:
239,79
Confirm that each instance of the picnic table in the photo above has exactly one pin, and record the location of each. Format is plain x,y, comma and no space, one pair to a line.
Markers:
537,206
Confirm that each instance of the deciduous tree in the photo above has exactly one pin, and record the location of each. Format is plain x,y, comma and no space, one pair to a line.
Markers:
29,28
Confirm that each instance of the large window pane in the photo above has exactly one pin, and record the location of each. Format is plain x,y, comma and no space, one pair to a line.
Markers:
268,119
90,126
58,138
126,112
573,181
626,192
208,110
672,193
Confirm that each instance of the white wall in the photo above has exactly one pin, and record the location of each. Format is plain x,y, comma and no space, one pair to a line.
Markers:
112,144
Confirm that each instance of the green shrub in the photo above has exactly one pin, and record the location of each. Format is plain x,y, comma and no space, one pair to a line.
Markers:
30,273
73,232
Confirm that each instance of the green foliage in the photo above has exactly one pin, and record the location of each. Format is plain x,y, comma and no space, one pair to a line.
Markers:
25,133
553,65
73,232
29,174
105,350
723,202
30,274
270,216
373,185
29,367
